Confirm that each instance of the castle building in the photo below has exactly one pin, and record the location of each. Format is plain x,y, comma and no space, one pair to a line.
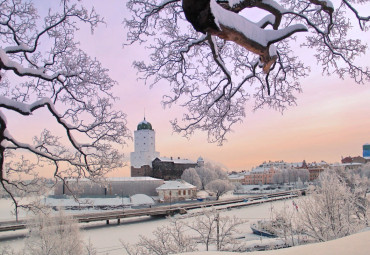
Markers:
144,150
170,168
145,161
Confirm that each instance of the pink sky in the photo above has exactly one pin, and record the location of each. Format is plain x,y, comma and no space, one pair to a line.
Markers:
332,118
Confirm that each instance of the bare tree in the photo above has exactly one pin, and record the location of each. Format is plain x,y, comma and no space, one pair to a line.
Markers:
191,176
208,227
219,187
167,240
211,227
42,69
216,58
226,229
304,175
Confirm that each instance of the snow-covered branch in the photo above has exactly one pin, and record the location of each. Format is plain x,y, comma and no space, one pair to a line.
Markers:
54,74
246,59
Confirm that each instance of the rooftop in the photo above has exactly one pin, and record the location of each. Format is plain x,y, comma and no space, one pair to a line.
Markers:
180,184
144,125
177,160
116,179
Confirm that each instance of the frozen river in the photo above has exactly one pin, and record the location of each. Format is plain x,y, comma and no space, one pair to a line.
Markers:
106,237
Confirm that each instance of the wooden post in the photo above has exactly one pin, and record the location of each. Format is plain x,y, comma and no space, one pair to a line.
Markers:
218,230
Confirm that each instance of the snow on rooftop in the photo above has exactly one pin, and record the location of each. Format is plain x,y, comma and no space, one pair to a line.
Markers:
175,185
260,169
351,164
176,160
116,179
236,176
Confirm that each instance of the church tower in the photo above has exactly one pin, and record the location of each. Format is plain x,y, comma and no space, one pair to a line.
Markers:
144,151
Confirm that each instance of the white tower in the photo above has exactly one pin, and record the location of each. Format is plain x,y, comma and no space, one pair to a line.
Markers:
144,152
200,162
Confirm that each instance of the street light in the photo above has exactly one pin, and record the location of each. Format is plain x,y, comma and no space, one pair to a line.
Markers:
170,198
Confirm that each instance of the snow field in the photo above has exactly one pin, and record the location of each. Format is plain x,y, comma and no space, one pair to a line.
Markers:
105,238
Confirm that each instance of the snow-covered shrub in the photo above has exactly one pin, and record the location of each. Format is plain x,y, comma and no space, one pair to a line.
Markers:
53,235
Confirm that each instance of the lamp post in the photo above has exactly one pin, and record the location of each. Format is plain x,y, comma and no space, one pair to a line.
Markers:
170,198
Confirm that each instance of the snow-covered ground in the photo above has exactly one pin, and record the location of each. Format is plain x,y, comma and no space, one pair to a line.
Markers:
106,238
357,244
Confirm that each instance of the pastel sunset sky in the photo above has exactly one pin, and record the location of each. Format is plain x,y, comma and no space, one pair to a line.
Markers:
332,118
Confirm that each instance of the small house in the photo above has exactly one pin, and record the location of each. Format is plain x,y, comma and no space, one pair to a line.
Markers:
178,190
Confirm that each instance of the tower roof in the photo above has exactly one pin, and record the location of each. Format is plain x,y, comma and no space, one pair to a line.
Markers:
144,125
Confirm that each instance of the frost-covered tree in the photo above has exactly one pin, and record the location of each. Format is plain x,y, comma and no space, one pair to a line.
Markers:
336,208
191,176
185,234
42,69
286,224
218,54
219,187
213,228
210,172
54,235
291,175
51,234
359,186
304,175
169,239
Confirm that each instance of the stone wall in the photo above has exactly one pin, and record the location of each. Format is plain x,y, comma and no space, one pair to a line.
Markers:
169,170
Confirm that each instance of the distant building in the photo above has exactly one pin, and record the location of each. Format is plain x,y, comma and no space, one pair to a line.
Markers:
200,162
119,186
366,151
236,178
314,168
351,166
263,174
144,150
349,160
170,168
178,190
145,161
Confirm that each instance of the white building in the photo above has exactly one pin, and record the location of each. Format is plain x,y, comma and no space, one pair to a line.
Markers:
144,142
115,186
178,190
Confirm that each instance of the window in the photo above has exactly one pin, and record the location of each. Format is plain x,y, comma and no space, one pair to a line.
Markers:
184,193
179,192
